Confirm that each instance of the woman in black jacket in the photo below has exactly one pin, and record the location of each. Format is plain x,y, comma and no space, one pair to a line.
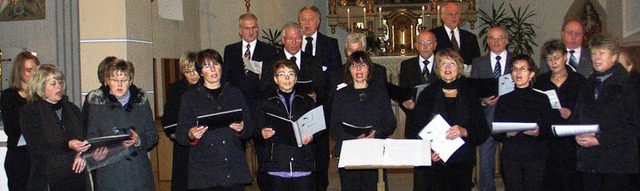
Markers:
288,165
524,154
50,123
16,162
606,159
170,119
455,100
216,154
561,166
359,104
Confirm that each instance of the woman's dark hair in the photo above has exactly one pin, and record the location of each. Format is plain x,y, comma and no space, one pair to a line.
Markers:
207,54
285,63
531,65
358,57
102,68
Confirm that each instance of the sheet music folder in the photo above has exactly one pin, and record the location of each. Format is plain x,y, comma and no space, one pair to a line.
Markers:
384,153
107,140
291,132
220,119
357,130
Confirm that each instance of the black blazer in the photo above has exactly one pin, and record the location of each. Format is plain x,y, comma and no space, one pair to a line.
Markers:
411,73
481,68
310,69
233,69
469,48
327,50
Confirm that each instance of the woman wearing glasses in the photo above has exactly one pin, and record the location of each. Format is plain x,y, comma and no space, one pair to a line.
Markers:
455,100
561,166
359,104
117,109
216,154
170,118
524,154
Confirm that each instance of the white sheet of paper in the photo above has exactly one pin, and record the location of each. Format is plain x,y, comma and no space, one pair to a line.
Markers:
21,141
436,130
505,84
553,98
312,122
503,127
385,152
572,130
252,65
340,86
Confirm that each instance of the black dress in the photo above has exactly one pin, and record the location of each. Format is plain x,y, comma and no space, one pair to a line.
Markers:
16,164
179,171
47,129
561,165
463,110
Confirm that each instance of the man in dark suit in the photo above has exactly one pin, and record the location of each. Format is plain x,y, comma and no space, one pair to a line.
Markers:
310,67
451,36
578,57
235,72
234,69
492,65
325,49
417,71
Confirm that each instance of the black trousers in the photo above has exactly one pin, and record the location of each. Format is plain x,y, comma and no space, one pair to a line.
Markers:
305,183
360,180
236,187
523,175
605,182
179,170
321,174
438,177
17,165
562,175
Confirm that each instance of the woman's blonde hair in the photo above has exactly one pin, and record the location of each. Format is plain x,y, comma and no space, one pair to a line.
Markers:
37,81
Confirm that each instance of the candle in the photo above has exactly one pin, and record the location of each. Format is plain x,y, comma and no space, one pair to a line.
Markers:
380,14
348,20
402,38
424,19
411,36
364,18
438,23
393,36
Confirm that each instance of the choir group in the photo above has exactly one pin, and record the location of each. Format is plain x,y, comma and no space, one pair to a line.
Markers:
223,101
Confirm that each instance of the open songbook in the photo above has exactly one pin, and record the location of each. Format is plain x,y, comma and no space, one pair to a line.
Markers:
572,130
505,84
220,119
252,65
112,145
107,140
503,127
292,132
553,98
357,130
436,132
375,153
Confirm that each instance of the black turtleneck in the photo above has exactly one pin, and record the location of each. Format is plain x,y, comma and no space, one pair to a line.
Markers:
527,106
57,108
215,92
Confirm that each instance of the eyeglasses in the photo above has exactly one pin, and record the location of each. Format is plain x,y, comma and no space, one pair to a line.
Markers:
115,81
424,43
361,64
249,28
521,70
497,38
553,58
286,74
189,71
444,64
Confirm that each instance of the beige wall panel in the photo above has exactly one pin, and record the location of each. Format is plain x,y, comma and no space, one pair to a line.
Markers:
101,19
139,19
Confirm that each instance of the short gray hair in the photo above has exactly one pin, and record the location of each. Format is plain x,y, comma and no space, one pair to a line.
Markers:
357,38
291,25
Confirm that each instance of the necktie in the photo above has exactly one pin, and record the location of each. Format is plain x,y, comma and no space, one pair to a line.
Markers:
573,61
293,58
425,69
454,42
309,47
497,71
247,54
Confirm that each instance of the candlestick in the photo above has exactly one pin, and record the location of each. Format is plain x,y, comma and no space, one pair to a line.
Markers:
348,20
380,15
438,23
364,18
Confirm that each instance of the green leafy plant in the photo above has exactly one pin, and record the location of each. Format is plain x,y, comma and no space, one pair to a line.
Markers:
521,31
273,38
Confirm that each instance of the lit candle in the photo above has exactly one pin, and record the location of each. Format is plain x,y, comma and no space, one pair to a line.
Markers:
393,36
348,20
364,18
438,23
424,18
380,14
422,12
402,38
411,36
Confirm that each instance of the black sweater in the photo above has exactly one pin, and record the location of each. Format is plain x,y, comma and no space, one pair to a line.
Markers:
372,109
529,106
11,102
